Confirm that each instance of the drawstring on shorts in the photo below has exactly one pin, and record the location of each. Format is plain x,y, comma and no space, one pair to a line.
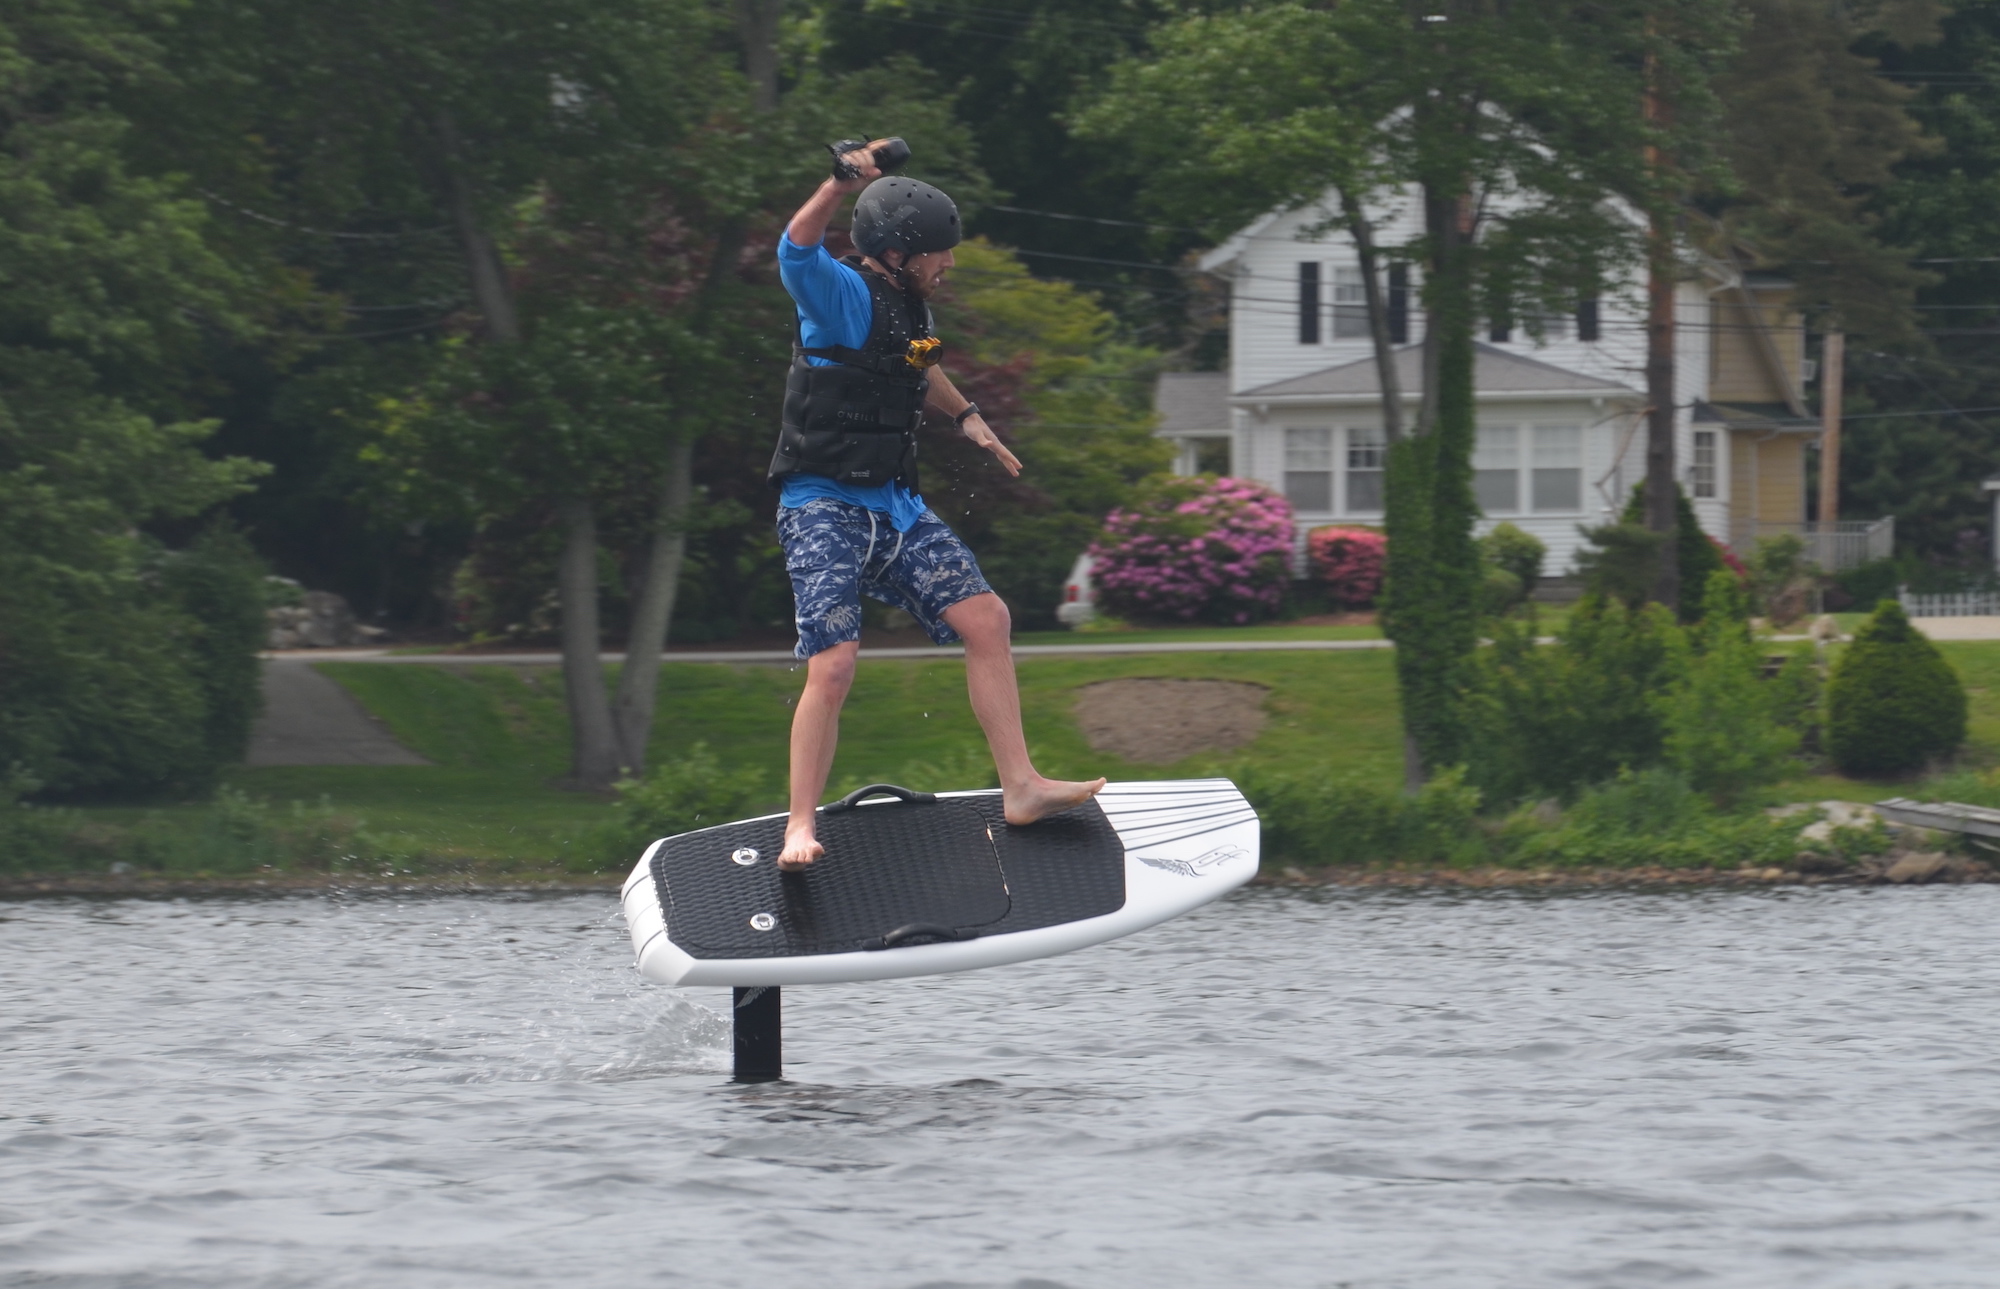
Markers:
869,555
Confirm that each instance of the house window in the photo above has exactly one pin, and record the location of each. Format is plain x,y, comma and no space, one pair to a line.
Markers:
1496,469
1364,471
1399,304
1555,326
1308,303
1556,479
1703,471
1587,328
1350,304
1204,454
1500,329
1309,470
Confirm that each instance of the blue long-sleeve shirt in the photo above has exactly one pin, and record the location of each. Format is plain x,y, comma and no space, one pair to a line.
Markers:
835,309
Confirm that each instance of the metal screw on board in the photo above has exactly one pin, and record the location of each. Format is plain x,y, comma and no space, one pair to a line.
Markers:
762,921
744,855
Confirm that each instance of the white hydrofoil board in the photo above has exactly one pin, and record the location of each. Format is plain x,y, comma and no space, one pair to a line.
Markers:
916,884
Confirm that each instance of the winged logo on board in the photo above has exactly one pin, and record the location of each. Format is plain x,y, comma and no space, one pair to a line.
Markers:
1197,866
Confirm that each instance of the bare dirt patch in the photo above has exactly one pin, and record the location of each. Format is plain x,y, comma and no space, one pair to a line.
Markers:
1155,721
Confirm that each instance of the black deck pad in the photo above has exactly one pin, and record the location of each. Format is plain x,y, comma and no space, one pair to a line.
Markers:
886,866
1064,868
954,863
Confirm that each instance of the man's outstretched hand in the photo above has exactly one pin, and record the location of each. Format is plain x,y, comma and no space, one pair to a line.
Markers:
977,430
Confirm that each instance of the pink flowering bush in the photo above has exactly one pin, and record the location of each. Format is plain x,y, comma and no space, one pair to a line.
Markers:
1195,547
1349,561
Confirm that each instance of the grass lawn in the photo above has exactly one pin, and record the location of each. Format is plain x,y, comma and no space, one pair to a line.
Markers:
498,737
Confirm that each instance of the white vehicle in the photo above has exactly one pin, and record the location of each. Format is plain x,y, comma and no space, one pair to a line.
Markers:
1079,597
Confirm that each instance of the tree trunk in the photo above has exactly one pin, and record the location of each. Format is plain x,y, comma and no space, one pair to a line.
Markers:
484,272
1662,278
757,28
1662,512
1363,234
594,759
653,609
1429,594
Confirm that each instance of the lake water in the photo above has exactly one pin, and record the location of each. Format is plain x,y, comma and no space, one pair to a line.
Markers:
1768,1088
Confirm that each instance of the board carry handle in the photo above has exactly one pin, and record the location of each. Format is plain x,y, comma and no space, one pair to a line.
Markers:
856,797
905,934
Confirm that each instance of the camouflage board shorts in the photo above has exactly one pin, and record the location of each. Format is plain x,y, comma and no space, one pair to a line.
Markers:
836,552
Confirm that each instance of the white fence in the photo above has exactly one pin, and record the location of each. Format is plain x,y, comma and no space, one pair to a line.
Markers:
1832,547
1963,604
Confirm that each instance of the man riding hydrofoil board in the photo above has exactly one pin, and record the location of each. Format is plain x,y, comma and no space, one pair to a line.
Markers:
849,516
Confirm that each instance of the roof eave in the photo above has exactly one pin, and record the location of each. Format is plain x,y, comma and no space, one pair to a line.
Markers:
1492,396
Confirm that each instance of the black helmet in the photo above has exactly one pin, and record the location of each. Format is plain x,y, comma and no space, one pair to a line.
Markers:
904,215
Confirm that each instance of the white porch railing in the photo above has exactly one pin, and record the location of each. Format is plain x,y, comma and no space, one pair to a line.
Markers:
1961,604
1844,543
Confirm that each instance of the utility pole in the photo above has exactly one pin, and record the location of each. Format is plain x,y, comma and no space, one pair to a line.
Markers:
1832,375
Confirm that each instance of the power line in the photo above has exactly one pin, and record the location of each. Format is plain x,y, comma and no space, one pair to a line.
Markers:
1128,264
1092,219
275,222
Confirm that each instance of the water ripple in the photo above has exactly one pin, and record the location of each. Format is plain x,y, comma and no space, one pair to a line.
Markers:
1370,1089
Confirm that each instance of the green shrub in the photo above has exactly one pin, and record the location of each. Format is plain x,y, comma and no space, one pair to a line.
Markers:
219,583
1870,583
1724,732
231,834
1652,817
1622,562
137,681
1500,593
1648,817
1309,819
1893,702
1697,557
1546,720
1516,552
692,791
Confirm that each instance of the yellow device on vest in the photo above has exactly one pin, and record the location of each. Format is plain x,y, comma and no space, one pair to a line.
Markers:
928,352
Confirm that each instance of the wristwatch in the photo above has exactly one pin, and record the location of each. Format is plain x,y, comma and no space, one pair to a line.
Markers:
969,410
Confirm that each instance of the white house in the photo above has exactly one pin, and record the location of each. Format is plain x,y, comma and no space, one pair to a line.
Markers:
1561,419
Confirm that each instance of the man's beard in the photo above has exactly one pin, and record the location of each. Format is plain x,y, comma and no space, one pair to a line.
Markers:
913,284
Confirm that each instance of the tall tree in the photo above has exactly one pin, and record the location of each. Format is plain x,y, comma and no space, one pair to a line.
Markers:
1812,134
494,121
116,285
1509,125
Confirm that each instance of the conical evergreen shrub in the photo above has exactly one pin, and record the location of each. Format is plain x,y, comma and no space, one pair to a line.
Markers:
1893,702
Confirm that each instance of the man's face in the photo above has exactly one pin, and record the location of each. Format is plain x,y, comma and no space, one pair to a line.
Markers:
920,274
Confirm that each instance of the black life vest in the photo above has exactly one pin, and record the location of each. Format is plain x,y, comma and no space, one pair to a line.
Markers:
856,421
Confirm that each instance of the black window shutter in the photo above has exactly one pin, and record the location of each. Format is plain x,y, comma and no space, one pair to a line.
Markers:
1308,302
1399,304
1586,319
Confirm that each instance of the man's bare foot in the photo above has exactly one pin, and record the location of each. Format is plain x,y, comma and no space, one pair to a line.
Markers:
1039,798
801,849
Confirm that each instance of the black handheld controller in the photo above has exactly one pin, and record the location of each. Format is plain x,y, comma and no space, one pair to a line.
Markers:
889,157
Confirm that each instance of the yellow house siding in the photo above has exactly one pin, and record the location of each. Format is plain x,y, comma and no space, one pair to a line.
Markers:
1767,477
1739,372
